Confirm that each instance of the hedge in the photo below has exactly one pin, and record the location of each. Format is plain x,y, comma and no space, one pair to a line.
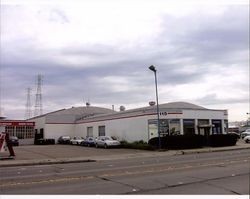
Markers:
179,141
194,141
136,145
218,140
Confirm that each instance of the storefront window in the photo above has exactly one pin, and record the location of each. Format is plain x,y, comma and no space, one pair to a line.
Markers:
189,126
152,128
164,127
22,132
174,127
217,127
225,126
203,127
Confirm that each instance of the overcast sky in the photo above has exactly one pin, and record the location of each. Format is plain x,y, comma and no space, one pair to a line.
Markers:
101,50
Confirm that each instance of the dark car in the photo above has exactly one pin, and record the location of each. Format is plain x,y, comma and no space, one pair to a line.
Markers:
14,140
63,140
90,141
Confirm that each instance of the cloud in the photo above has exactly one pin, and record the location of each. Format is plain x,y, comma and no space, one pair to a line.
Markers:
212,99
58,16
102,53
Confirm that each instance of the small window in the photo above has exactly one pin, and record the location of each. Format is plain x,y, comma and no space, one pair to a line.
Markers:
101,130
90,131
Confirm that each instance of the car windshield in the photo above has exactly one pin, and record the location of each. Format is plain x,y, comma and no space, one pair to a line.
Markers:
108,138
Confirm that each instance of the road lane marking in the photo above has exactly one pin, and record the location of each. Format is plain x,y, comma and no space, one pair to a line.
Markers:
148,171
47,181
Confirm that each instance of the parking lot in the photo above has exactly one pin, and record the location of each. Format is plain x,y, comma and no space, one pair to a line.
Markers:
31,152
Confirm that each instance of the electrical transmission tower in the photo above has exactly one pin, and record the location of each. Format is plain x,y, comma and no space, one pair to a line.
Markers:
28,104
38,102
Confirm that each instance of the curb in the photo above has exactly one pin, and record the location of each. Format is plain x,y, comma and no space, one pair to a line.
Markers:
183,152
44,162
9,163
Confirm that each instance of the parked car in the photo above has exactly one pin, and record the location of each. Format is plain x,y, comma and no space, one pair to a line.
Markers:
76,140
90,141
245,133
43,141
63,139
247,139
14,140
106,142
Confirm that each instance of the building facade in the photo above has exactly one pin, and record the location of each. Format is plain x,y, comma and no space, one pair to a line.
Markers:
22,129
133,125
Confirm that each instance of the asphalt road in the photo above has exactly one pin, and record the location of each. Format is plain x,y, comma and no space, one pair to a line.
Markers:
216,173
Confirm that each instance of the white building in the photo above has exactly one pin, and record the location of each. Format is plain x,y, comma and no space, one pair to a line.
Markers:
132,125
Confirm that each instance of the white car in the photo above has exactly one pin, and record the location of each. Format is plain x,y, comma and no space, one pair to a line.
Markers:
245,133
106,142
76,140
247,139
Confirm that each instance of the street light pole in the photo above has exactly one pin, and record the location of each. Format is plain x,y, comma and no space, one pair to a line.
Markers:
152,68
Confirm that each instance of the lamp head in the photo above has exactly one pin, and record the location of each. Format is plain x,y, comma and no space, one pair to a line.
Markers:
152,68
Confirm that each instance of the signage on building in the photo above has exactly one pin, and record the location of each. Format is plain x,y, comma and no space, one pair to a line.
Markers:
14,123
170,113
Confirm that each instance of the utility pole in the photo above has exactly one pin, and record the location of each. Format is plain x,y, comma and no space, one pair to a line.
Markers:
38,103
152,68
28,113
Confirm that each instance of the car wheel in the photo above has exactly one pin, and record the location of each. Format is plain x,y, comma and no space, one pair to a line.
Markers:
105,146
247,141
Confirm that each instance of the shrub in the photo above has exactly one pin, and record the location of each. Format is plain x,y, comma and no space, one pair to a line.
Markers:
218,140
179,141
136,145
194,141
154,142
185,141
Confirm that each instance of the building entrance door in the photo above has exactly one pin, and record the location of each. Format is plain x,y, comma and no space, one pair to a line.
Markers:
38,135
205,131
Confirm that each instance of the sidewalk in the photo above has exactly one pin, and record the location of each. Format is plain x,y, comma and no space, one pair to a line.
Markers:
77,154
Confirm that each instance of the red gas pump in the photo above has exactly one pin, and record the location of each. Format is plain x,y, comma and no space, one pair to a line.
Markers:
4,144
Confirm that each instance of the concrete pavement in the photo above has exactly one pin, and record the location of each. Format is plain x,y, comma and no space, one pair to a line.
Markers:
60,154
